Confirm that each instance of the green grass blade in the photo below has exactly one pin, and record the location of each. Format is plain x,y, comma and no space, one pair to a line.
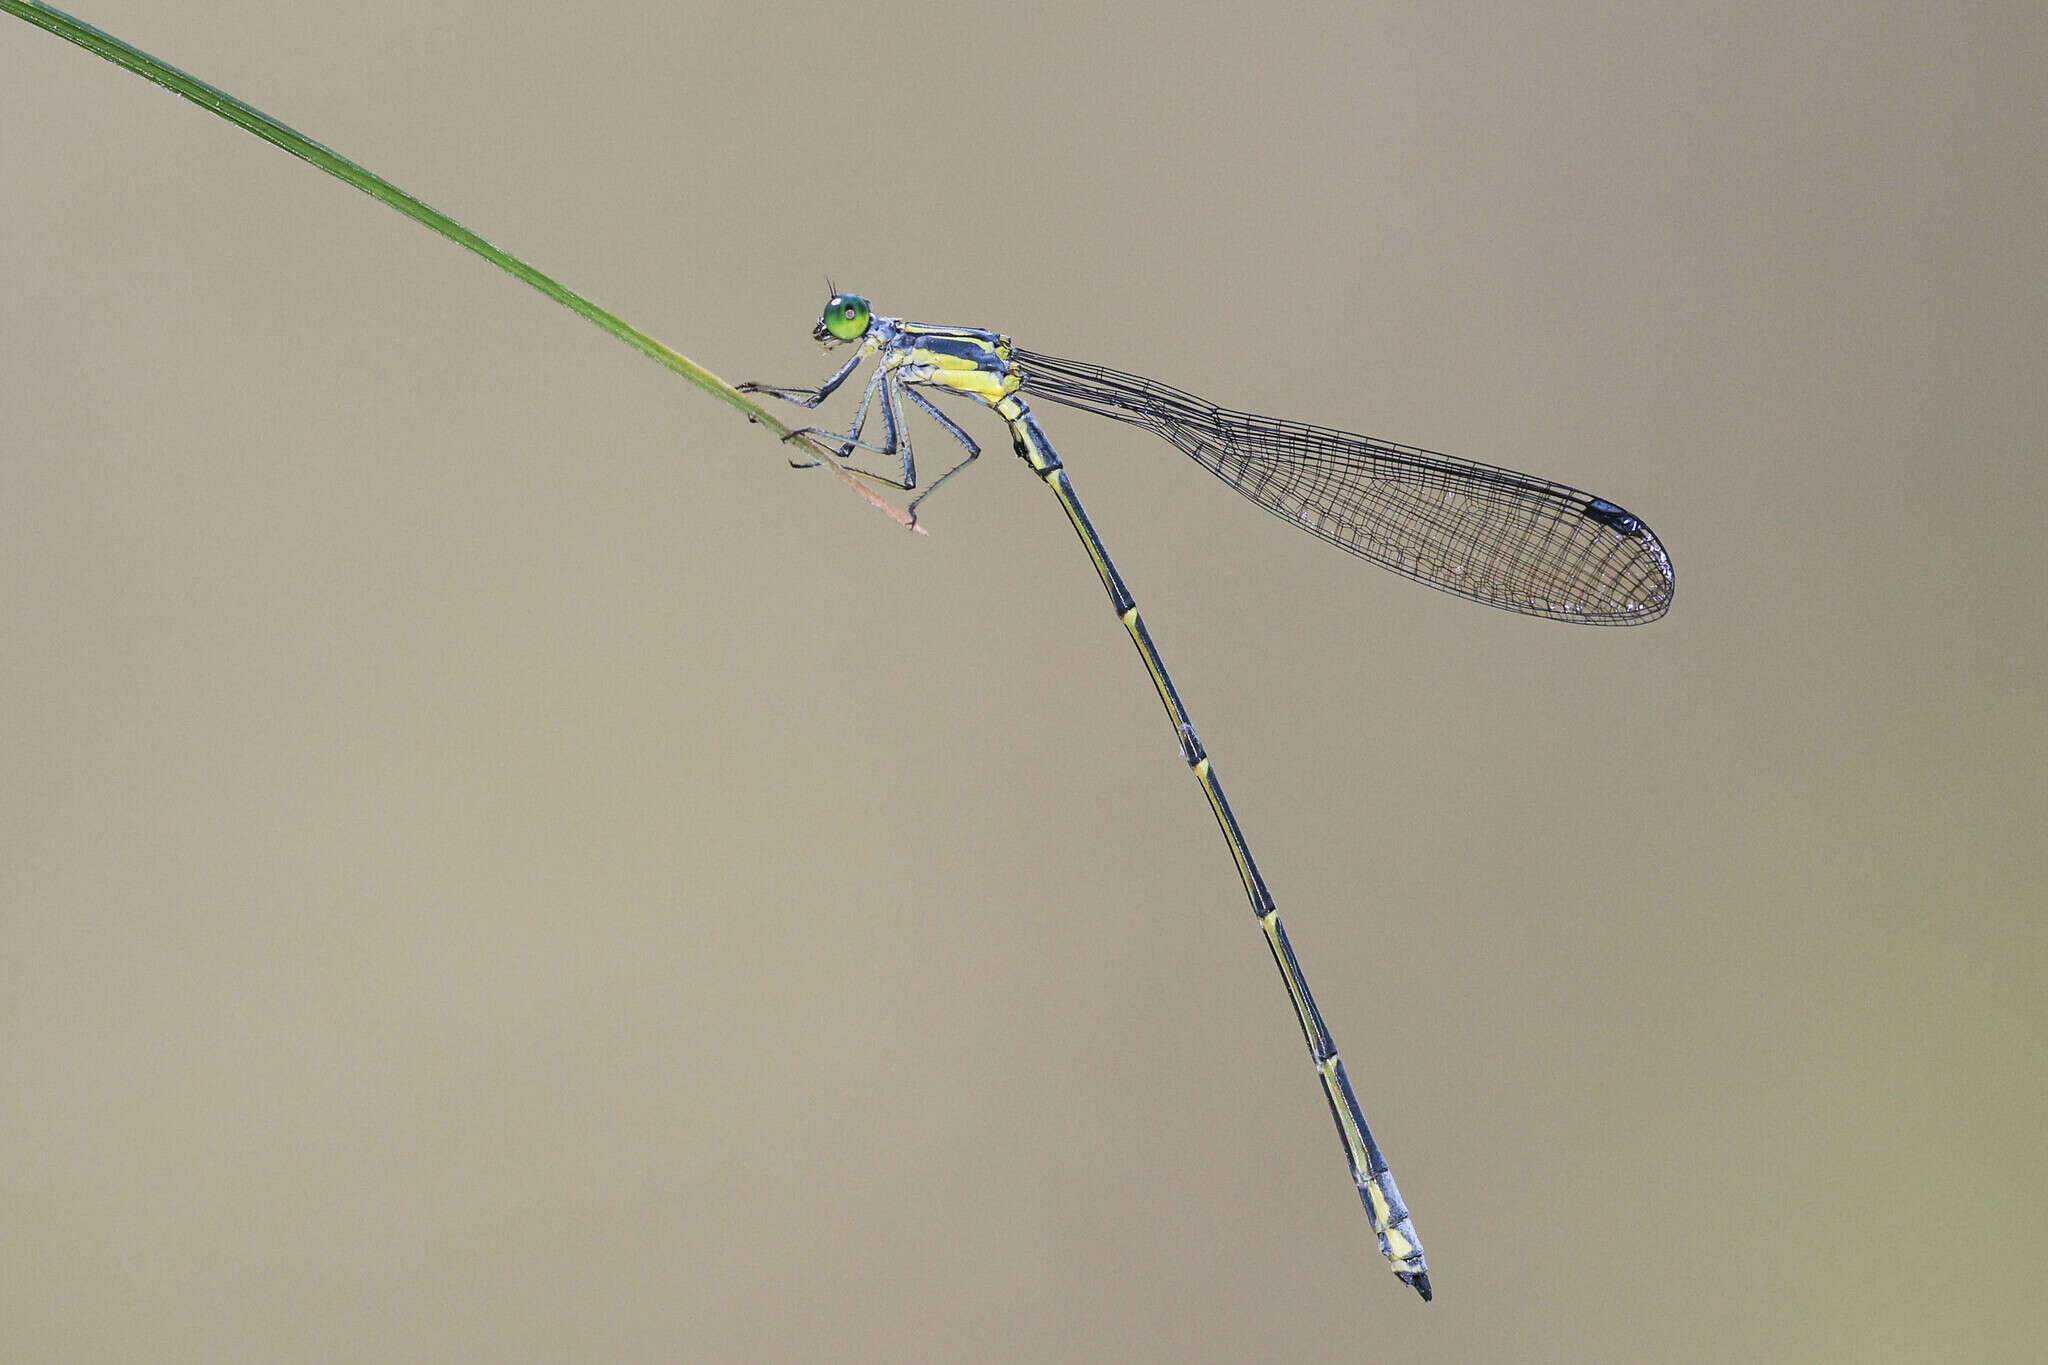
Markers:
376,186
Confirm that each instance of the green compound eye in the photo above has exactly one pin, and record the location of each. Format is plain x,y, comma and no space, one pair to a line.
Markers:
846,317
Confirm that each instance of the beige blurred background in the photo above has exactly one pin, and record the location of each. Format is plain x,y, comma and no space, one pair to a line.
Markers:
496,867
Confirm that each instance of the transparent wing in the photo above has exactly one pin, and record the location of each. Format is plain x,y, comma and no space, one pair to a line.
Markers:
1505,539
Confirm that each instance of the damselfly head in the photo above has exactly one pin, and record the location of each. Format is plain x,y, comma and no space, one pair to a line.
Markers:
846,318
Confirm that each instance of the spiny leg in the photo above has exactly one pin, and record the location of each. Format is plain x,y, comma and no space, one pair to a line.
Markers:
847,441
809,398
899,431
852,439
806,398
895,438
957,432
897,442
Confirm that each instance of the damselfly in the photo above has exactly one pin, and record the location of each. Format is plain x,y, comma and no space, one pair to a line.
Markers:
1489,534
1505,539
